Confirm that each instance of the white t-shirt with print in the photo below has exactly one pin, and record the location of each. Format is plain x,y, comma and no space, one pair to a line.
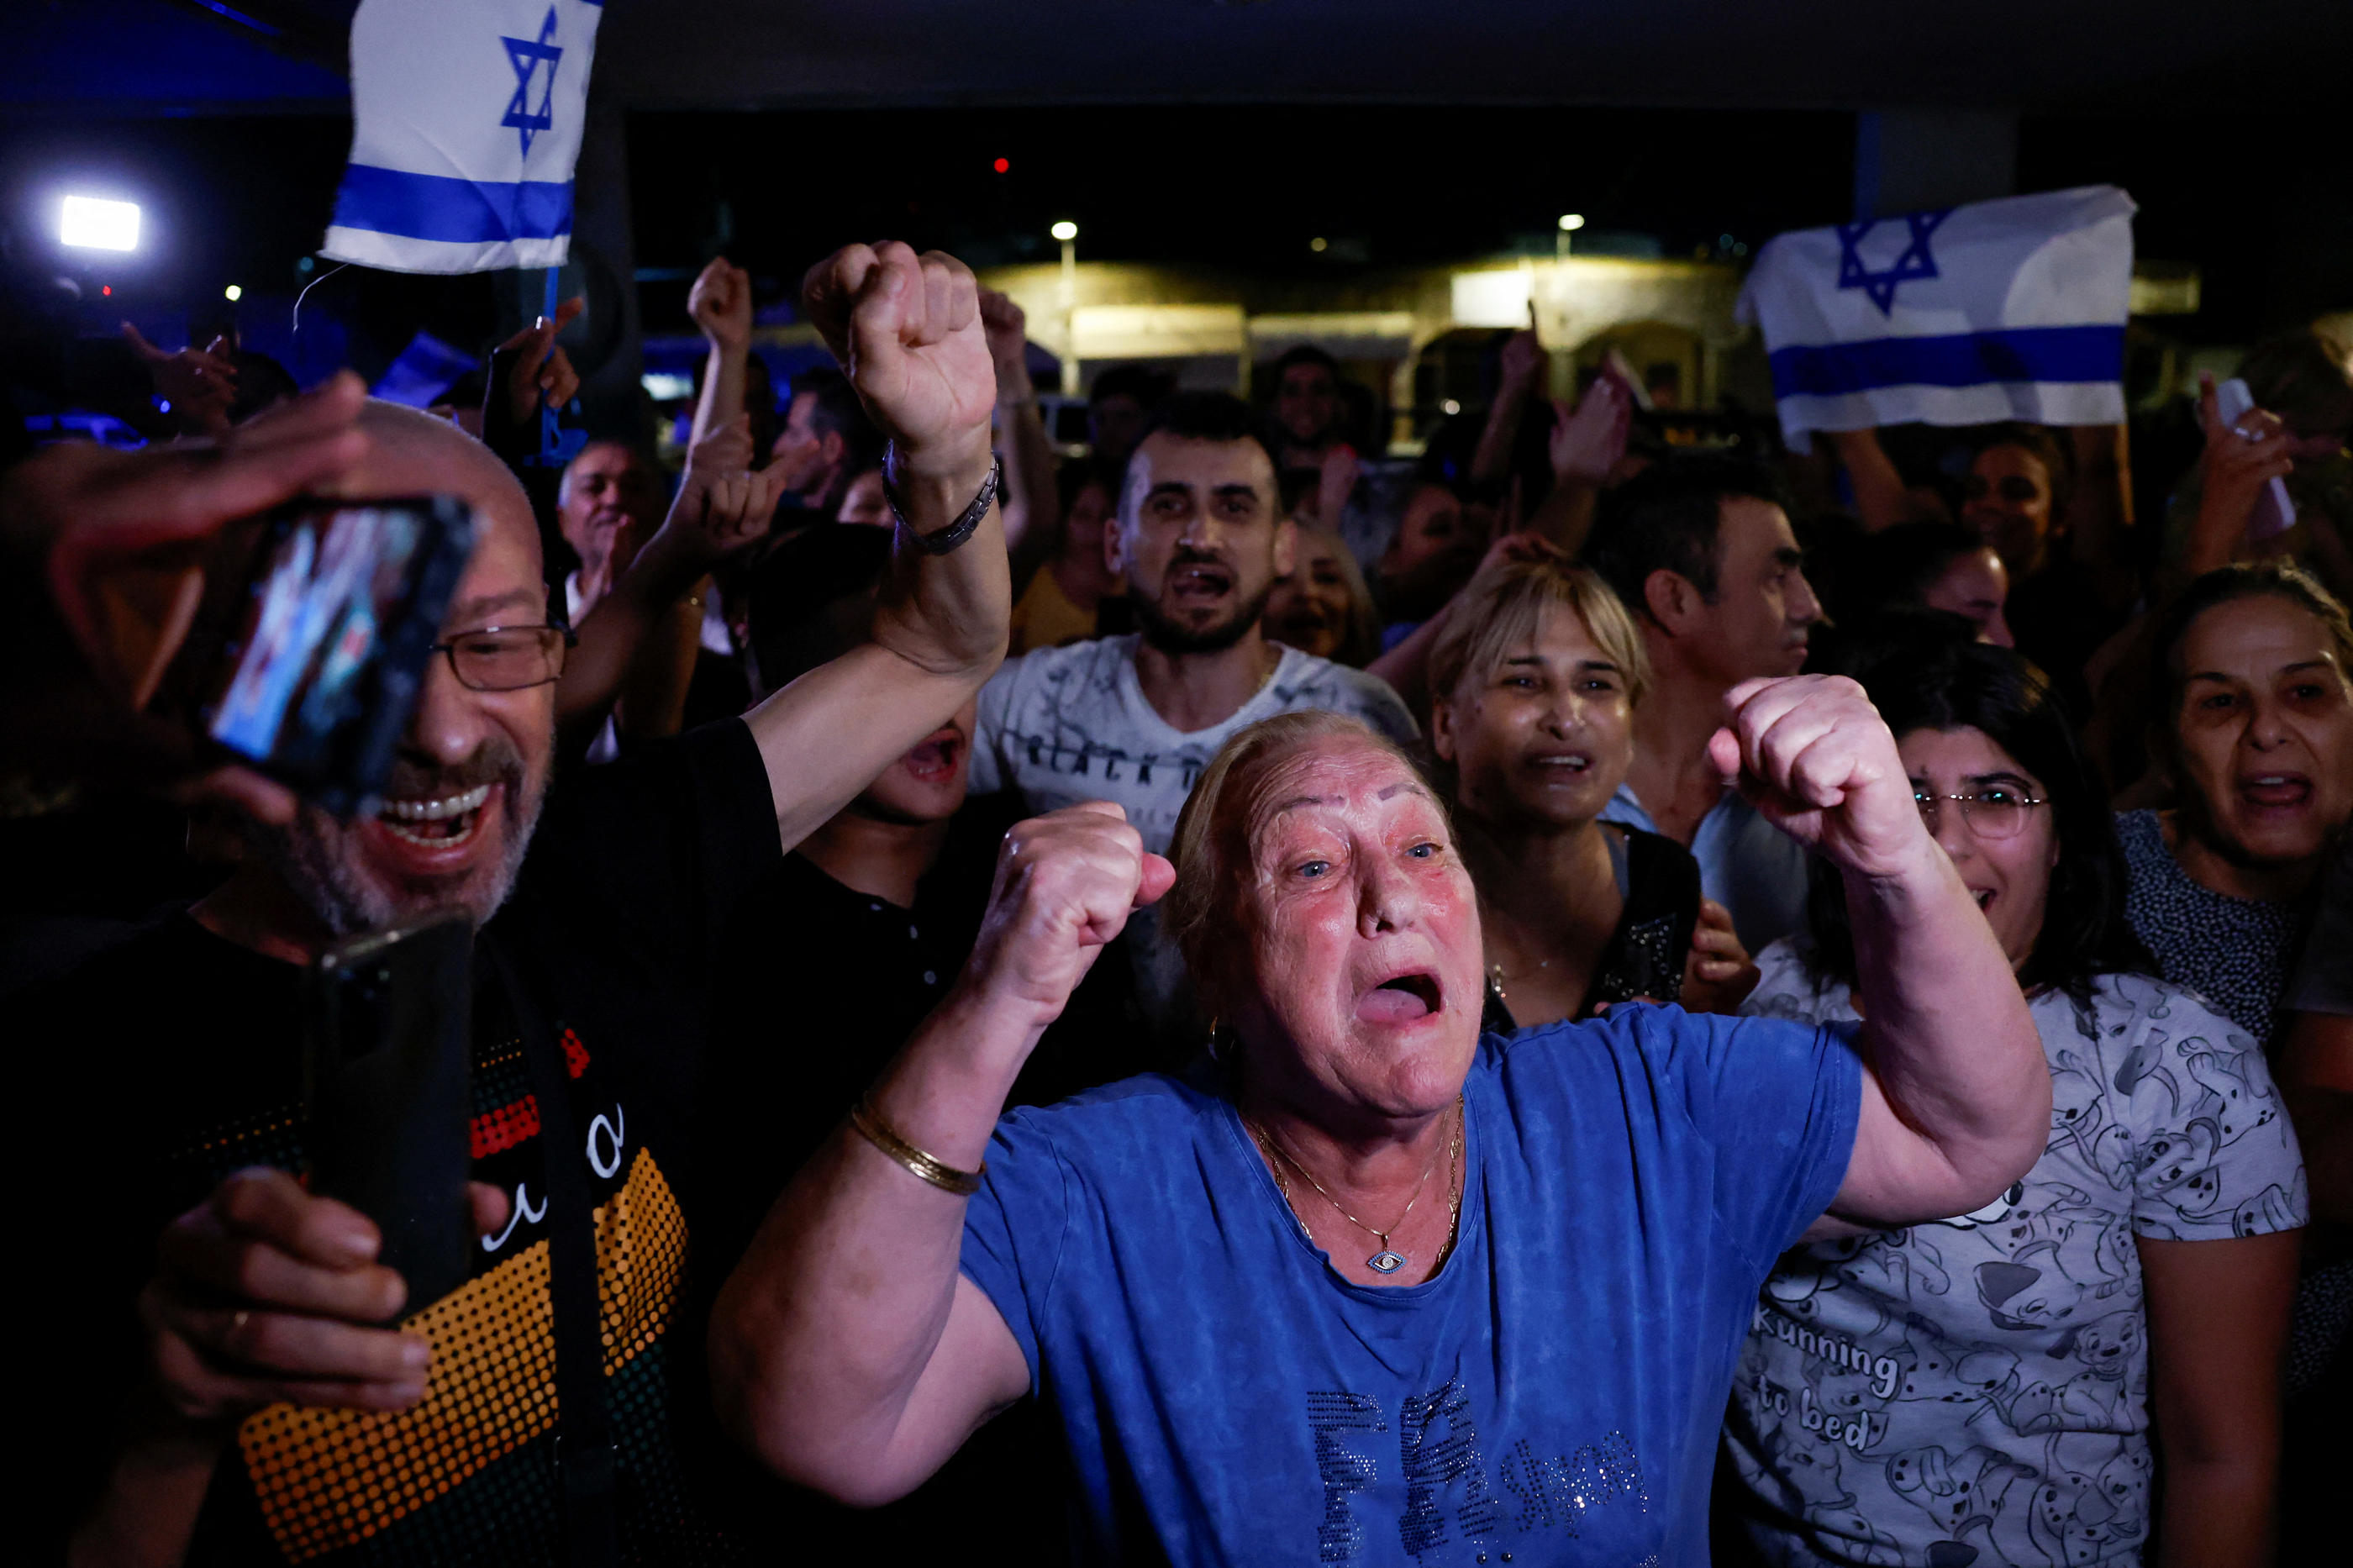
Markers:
1976,1390
1069,724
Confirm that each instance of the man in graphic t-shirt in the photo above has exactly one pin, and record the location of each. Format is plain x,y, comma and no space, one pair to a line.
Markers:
254,1387
1134,718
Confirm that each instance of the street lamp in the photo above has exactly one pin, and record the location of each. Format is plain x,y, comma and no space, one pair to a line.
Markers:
1569,224
1067,232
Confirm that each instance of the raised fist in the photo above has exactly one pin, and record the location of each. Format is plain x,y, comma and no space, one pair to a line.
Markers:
1007,328
1065,884
1815,757
721,304
907,330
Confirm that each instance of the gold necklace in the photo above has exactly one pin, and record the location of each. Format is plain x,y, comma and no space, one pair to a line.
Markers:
1386,1260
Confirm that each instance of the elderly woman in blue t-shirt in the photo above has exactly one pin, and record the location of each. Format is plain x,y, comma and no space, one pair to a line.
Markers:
1371,1288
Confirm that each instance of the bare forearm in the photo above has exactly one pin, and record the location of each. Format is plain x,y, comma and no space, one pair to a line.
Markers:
1949,1037
1879,501
1491,459
724,373
148,1511
1032,507
2217,1514
821,1335
948,614
653,691
1565,514
614,634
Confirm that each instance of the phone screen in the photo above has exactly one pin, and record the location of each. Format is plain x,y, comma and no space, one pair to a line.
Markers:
321,654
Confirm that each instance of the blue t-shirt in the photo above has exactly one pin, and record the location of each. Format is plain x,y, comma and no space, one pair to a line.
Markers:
1554,1393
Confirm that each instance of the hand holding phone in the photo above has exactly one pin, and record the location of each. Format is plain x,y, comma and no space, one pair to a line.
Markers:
388,1071
318,623
2274,509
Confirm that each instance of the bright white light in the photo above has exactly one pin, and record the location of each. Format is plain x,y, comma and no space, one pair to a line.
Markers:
1065,231
1571,222
234,293
1450,408
95,224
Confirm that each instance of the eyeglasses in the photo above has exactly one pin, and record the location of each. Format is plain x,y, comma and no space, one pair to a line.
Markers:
507,659
1993,813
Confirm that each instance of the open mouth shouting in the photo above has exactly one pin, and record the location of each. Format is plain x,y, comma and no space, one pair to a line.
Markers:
2276,791
936,760
1197,585
1405,998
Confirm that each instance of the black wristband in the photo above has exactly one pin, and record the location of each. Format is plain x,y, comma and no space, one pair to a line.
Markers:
957,533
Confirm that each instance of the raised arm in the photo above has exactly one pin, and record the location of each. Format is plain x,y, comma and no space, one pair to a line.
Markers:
637,644
1522,371
1956,1093
1879,498
847,1349
907,331
721,304
1033,510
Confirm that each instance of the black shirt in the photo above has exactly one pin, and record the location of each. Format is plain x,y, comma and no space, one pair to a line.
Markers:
1658,880
822,986
183,1060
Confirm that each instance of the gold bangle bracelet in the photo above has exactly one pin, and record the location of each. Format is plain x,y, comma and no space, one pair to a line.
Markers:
939,1173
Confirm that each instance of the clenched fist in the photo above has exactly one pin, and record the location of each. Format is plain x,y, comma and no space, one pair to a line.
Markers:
907,330
1815,757
1065,884
721,304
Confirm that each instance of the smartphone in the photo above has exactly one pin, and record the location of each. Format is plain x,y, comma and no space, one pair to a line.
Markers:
2274,510
387,1077
317,625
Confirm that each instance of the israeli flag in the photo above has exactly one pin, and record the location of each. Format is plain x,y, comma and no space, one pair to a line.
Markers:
466,123
2003,309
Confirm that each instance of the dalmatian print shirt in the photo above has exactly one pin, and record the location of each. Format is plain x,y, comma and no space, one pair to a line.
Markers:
1976,1391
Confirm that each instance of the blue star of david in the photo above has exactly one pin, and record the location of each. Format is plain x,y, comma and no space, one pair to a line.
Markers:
1914,264
527,55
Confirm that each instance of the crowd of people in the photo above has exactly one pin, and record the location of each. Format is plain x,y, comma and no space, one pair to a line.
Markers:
1608,1003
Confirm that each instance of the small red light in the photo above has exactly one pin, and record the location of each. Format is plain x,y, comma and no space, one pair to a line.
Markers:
1002,164
106,288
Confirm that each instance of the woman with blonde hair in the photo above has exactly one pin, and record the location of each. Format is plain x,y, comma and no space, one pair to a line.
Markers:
1534,684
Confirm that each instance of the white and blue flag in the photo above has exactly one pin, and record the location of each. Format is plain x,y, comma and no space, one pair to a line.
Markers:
466,123
2003,309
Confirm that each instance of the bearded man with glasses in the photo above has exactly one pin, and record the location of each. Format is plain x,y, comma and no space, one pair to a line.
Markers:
256,1386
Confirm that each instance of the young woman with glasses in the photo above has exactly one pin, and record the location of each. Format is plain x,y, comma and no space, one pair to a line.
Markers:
1986,1387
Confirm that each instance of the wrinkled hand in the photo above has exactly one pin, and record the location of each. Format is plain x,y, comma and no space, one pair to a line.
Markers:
721,304
1065,884
907,330
263,1293
2239,461
1006,326
199,384
121,537
722,505
1524,363
541,372
1814,756
1588,443
1719,974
